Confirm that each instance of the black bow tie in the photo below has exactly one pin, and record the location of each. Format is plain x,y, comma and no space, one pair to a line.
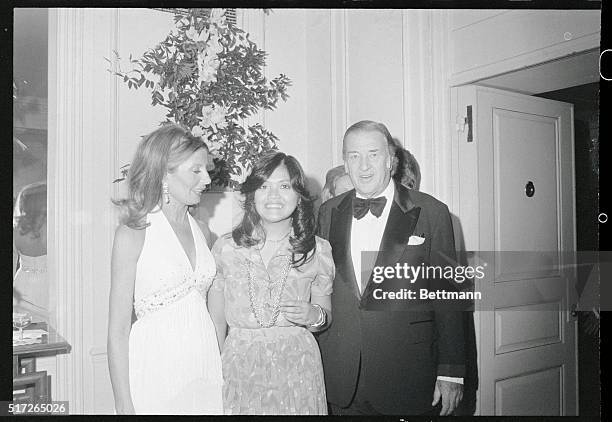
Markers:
374,205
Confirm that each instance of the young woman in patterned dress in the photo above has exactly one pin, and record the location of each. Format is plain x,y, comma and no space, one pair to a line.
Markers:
272,288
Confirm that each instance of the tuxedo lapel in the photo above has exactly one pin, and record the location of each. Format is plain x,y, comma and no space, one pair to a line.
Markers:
340,240
402,220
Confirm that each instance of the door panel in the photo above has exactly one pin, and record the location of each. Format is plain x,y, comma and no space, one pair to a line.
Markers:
540,325
525,150
526,336
514,396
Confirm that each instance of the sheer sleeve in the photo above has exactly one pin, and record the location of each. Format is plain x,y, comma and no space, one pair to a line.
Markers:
323,282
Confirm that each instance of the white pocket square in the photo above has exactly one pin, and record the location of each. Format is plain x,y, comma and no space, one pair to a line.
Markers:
416,240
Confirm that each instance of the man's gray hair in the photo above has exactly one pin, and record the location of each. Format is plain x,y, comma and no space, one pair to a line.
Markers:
371,126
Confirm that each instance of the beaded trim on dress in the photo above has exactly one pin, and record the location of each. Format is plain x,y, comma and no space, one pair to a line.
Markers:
164,297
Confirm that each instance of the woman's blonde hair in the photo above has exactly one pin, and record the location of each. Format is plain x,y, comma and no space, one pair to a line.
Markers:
159,152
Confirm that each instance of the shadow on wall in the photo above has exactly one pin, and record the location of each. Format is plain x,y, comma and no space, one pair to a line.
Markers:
406,169
220,211
470,386
315,188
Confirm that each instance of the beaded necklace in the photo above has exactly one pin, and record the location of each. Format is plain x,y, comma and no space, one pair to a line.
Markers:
257,308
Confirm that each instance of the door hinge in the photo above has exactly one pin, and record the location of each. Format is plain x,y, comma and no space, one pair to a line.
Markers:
463,121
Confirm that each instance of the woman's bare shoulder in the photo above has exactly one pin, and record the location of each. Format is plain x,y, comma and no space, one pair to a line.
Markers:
129,240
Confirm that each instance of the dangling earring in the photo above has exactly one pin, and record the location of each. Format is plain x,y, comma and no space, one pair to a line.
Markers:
165,193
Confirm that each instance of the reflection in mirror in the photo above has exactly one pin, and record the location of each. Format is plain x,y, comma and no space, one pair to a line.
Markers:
30,285
31,291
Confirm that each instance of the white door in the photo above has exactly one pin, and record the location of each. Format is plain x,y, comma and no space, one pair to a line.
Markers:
515,196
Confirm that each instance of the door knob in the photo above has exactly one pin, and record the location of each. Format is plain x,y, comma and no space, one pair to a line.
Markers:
529,189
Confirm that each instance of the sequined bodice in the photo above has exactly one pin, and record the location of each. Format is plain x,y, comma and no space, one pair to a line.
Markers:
164,273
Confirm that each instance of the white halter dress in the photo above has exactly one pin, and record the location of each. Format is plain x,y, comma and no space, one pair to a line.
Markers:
175,365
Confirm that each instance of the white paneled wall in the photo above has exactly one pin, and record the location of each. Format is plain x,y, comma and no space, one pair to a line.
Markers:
137,30
374,67
285,43
351,65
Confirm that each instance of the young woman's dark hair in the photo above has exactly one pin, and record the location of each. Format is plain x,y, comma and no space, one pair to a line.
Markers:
250,232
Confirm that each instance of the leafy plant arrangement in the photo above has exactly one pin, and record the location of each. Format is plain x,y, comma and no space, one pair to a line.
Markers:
209,75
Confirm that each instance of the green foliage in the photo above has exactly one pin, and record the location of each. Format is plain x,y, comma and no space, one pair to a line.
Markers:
209,76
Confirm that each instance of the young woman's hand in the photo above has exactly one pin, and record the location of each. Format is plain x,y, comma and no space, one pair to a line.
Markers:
299,312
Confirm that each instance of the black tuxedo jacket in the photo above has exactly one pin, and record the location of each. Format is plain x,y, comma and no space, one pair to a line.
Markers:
401,352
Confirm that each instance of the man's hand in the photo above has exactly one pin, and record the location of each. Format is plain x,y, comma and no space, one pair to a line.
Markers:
451,394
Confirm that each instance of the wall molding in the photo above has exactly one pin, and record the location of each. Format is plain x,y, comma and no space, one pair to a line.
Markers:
102,126
113,123
420,97
339,80
442,121
407,109
66,49
83,161
531,58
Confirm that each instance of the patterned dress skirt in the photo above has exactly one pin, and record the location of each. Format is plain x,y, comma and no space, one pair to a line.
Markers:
272,371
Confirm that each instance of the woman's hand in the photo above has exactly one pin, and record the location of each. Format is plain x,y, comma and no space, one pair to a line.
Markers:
299,312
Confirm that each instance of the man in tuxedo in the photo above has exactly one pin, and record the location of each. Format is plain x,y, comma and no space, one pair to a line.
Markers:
387,360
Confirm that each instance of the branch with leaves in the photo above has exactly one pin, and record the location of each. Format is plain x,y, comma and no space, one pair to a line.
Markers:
209,76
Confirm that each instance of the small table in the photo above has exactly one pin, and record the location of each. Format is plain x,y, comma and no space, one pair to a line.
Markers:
24,362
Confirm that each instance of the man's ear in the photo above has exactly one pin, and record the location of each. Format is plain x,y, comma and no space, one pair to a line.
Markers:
392,162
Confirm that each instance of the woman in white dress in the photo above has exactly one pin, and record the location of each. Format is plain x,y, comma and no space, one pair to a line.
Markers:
31,291
168,360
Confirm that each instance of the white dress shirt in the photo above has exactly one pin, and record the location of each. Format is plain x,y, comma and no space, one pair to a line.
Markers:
366,235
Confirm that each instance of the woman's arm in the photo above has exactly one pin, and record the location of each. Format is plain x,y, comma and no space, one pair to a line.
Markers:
325,303
216,294
305,313
126,250
322,287
216,308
